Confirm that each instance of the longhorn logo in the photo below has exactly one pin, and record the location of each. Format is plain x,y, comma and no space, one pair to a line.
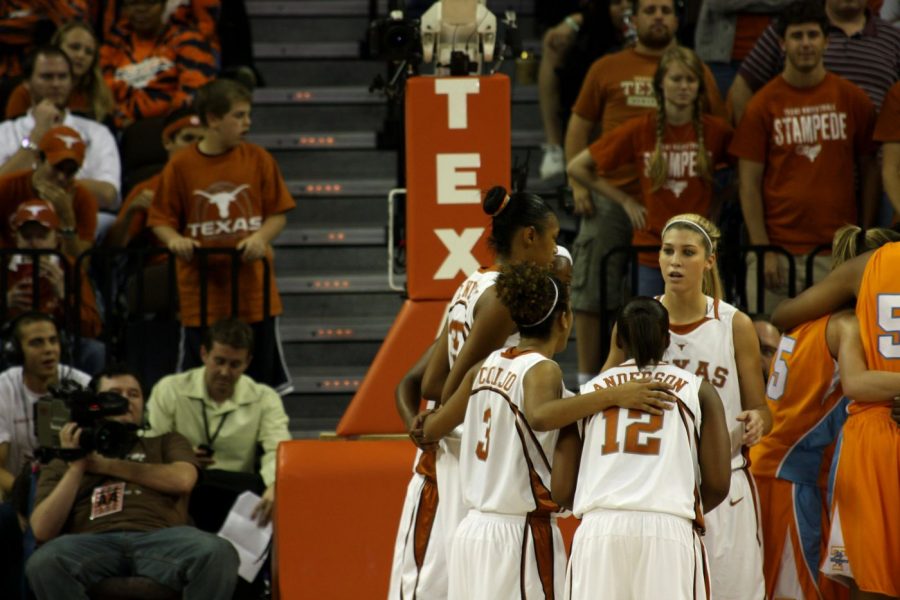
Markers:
677,187
222,200
811,151
68,140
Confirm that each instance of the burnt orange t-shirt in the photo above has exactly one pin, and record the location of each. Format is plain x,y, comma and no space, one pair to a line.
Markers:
809,139
685,190
16,188
619,87
887,129
20,102
219,201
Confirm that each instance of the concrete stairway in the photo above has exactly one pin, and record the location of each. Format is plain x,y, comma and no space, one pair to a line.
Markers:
319,120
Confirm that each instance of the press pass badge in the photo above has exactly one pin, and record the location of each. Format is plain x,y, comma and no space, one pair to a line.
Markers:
107,500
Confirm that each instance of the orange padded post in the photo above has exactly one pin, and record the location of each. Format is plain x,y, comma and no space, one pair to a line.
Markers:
336,513
372,409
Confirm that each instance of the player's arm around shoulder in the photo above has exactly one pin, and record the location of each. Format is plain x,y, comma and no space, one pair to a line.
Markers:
438,423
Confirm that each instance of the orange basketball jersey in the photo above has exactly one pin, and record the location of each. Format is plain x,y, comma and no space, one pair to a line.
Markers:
807,405
878,311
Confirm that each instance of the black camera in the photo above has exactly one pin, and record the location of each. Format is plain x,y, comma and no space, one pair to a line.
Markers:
395,38
70,403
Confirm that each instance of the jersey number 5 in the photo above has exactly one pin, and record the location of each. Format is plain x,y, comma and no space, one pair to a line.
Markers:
889,322
778,376
484,446
633,445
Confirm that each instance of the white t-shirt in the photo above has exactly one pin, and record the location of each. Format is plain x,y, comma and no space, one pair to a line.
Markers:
101,158
17,414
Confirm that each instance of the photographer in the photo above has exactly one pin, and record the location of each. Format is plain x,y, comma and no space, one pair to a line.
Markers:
33,346
124,516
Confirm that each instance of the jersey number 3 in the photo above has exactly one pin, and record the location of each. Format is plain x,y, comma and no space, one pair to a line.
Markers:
484,446
633,431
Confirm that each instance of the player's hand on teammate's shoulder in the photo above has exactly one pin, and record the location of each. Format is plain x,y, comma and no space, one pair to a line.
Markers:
895,410
645,394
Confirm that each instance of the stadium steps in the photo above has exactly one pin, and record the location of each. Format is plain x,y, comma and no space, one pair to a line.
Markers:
317,116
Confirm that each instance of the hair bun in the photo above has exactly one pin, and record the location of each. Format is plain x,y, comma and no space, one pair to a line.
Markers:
495,200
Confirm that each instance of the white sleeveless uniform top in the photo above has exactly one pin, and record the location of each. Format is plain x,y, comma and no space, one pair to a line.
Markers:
632,460
706,348
505,465
461,315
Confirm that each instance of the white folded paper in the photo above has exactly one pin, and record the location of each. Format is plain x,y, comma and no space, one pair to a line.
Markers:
249,539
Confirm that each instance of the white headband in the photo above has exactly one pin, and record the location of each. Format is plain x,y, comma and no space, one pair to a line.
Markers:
552,306
694,226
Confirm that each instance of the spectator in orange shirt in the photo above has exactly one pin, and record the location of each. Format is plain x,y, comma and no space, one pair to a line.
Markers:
153,66
617,87
90,97
60,155
799,138
225,193
36,226
675,149
182,128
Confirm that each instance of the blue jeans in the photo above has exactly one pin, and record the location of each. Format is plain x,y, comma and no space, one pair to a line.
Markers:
198,564
650,282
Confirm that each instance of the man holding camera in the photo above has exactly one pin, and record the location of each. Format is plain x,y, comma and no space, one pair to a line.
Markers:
33,345
124,516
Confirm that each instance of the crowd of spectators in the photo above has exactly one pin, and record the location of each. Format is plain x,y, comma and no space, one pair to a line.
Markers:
78,80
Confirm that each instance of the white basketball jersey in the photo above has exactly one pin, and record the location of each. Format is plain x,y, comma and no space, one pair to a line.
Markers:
504,464
706,348
632,460
462,311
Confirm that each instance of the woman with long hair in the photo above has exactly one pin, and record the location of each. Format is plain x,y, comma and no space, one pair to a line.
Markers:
676,149
90,97
716,341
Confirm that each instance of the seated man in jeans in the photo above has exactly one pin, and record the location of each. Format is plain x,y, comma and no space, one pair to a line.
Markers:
124,516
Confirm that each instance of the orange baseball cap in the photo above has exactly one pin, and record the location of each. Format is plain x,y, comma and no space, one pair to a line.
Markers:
38,211
62,143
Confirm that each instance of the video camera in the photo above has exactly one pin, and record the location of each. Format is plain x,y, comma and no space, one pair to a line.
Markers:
395,38
89,409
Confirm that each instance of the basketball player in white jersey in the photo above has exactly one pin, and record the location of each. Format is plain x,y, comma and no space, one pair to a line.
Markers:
508,545
644,479
523,228
717,342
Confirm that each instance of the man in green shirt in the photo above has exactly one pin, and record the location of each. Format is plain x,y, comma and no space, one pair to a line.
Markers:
224,413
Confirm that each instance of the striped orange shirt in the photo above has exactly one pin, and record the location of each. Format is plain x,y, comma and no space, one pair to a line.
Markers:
151,78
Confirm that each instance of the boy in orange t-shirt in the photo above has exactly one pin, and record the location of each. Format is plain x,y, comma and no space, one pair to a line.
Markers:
796,142
224,192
